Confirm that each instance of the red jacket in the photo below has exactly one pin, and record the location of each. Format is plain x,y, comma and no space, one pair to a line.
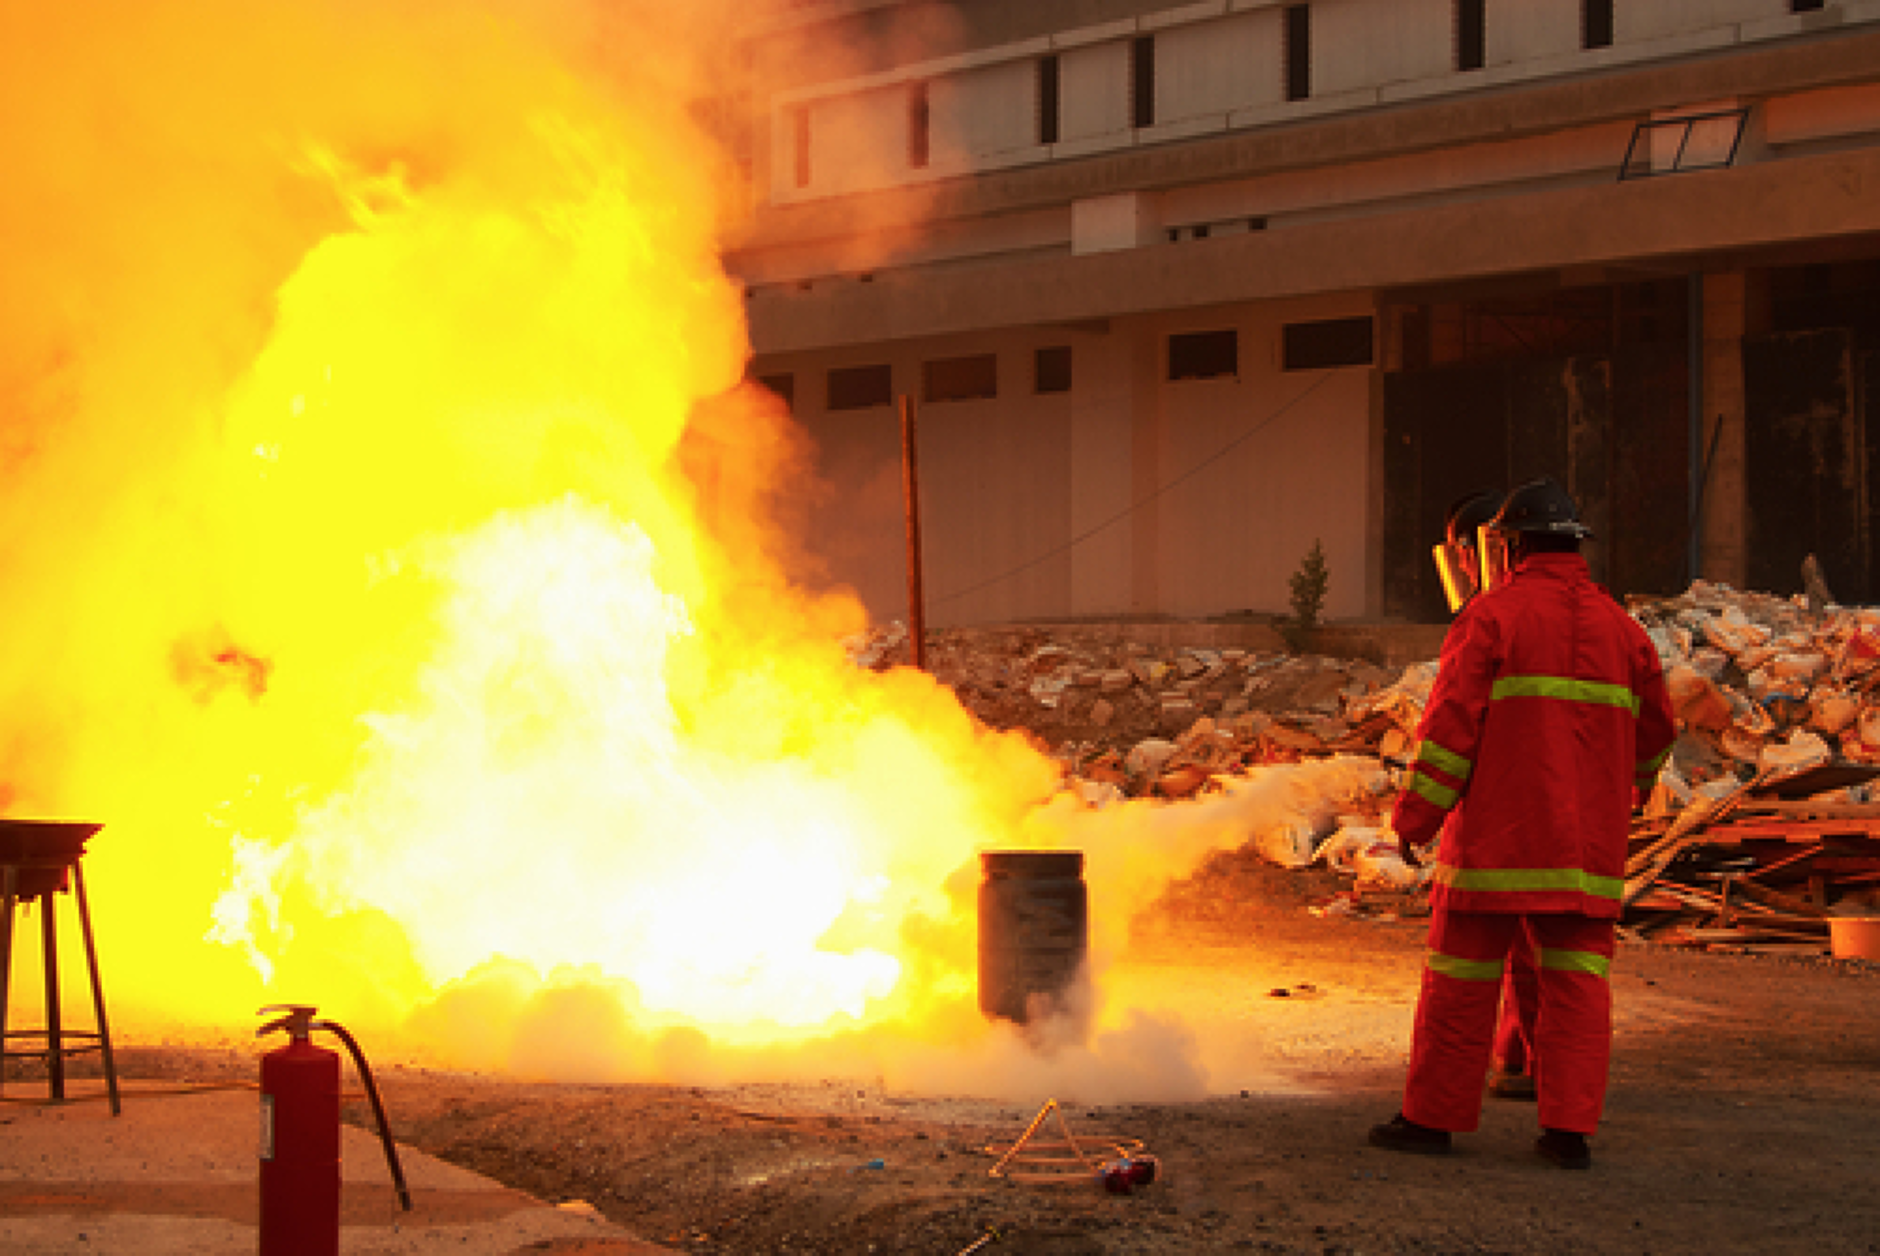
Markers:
1549,710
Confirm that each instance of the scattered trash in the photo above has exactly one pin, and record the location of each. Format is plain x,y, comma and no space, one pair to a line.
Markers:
1372,856
1304,990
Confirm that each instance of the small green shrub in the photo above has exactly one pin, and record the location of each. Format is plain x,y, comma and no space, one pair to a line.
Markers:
1308,600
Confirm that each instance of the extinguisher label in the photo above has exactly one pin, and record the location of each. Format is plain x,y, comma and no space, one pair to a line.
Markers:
267,1127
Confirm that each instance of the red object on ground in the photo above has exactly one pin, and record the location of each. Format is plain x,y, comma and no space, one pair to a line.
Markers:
300,1151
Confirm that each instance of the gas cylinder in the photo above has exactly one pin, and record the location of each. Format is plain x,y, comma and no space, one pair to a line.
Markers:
299,1141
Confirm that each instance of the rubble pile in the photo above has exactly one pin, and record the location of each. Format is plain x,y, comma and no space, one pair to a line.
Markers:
1130,720
1764,825
1760,683
1094,695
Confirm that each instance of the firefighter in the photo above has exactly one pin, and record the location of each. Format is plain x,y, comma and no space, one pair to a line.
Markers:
1458,559
1548,714
1459,564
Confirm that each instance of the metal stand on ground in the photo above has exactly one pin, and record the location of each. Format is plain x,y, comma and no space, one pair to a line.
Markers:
1032,1159
38,860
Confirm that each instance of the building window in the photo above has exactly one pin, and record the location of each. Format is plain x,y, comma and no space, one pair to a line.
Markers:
1298,51
1804,6
1051,369
1471,34
1048,99
1203,354
1326,343
859,387
972,378
784,386
799,127
1595,23
1142,81
917,126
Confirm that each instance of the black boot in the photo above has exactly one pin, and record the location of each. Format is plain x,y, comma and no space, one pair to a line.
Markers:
1565,1148
1400,1133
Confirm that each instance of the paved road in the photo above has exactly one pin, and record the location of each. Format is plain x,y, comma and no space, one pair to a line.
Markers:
177,1173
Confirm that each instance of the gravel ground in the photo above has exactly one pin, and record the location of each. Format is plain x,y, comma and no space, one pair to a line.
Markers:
1744,1117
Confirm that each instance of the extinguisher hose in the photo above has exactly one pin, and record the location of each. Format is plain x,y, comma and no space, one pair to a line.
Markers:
378,1108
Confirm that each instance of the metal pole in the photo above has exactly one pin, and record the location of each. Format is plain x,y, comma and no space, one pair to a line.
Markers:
910,483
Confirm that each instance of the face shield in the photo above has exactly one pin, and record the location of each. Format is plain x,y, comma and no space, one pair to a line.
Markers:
1461,575
1497,556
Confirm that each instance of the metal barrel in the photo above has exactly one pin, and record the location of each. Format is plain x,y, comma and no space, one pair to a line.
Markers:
1034,928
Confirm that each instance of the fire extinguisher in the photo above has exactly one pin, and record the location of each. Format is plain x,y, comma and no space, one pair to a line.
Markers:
300,1136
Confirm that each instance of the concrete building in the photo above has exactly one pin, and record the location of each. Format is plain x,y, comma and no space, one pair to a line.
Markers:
1181,289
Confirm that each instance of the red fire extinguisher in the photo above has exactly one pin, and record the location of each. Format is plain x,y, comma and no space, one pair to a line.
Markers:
300,1097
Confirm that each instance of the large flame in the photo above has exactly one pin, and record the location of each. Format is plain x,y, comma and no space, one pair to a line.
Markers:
396,566
364,596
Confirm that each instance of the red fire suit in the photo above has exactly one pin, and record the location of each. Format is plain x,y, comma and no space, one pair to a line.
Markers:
1548,712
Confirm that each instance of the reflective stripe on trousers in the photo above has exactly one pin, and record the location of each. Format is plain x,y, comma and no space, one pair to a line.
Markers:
1455,1022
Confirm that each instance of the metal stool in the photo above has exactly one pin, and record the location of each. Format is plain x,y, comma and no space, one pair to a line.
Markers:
37,860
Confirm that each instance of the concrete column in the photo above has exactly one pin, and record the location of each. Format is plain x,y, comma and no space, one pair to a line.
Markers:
1723,525
1104,401
1374,474
1145,464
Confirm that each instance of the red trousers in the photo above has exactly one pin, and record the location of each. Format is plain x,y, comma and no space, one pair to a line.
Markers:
1520,1009
1455,1024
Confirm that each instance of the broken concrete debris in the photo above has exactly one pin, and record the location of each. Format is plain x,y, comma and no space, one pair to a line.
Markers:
1766,691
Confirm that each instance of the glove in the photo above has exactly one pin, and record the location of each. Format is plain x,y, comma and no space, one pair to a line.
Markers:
1409,852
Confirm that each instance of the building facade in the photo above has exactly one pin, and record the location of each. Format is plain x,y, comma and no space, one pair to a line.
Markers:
1180,290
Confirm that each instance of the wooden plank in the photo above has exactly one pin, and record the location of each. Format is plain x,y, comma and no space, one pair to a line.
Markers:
1808,809
1841,865
1820,779
1789,830
1746,933
1786,903
1698,818
1788,861
1748,914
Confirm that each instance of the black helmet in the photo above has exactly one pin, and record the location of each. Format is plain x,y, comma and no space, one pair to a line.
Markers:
1541,506
1467,514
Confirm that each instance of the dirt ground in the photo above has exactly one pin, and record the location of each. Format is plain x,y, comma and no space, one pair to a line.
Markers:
1744,1116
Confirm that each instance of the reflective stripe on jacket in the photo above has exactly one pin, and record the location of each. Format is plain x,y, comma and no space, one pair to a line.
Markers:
1549,710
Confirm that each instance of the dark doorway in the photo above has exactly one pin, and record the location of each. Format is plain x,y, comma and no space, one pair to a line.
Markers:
1587,385
1813,460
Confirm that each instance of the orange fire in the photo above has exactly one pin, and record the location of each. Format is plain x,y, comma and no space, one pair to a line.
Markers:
394,563
389,641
